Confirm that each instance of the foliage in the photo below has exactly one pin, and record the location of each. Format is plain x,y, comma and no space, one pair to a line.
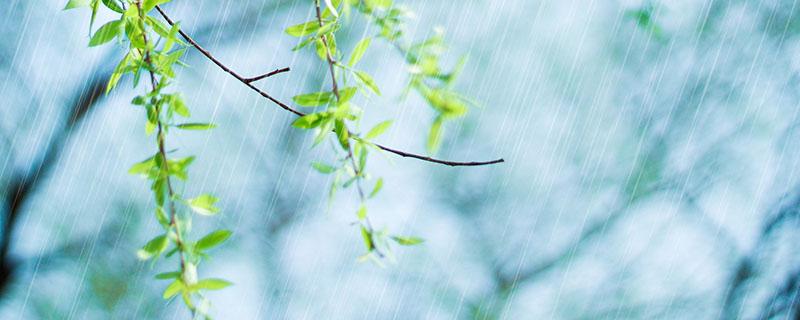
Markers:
154,50
338,113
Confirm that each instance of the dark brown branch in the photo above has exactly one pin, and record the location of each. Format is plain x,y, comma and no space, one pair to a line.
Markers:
286,107
267,75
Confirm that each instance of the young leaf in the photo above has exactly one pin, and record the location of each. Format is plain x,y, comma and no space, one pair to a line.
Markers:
332,8
168,275
303,29
174,288
362,212
309,121
212,239
72,4
161,216
95,5
113,5
177,104
368,81
314,99
153,248
377,188
196,126
118,71
323,168
435,135
106,33
211,284
345,94
378,129
143,168
407,241
204,204
359,51
367,239
150,4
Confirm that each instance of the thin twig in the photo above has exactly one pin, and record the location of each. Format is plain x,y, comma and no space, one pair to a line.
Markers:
267,75
286,107
173,214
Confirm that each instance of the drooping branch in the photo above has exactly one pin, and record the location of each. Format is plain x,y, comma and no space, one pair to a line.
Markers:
248,82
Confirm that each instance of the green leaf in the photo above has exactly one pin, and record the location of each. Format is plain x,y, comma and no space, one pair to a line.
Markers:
303,43
377,188
435,135
367,238
139,101
177,167
310,121
143,168
368,81
303,29
212,239
204,204
323,168
177,104
153,248
362,212
106,33
72,4
345,94
378,129
332,8
359,51
150,4
211,284
342,134
159,28
174,288
118,72
407,241
95,5
196,126
168,275
314,99
113,5
161,216
378,4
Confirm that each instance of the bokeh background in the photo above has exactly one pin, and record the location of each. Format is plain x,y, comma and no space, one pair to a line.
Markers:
652,167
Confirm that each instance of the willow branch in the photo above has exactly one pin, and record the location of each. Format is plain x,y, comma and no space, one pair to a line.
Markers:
160,136
267,75
248,82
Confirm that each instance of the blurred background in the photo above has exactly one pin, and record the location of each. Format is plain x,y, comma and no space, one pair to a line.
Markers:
652,156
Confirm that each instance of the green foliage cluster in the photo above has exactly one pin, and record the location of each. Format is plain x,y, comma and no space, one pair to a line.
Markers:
154,50
335,110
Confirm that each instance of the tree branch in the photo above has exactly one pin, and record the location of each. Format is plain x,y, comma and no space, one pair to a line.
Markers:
248,82
746,268
25,183
267,75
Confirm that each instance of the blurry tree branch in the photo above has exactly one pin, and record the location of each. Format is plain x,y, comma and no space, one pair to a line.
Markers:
25,182
248,82
786,300
787,208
